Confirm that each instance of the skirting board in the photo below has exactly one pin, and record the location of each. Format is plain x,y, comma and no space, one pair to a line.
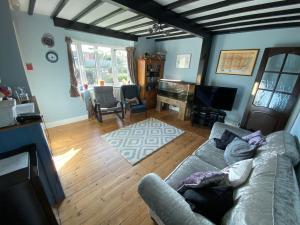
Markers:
66,121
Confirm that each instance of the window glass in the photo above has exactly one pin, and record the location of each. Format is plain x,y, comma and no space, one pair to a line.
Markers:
279,102
286,83
292,64
122,67
91,76
88,52
268,81
94,63
275,62
262,98
105,64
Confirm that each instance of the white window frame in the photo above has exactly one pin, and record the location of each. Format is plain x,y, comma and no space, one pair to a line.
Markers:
79,44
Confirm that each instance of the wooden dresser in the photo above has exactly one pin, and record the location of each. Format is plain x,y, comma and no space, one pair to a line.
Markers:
150,71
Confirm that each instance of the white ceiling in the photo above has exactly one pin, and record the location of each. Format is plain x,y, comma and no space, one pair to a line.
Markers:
73,7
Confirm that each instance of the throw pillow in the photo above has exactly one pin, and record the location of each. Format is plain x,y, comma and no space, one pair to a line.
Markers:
238,150
226,138
238,172
255,138
132,101
212,202
201,179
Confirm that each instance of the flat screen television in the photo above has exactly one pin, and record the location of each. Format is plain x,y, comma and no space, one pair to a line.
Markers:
215,97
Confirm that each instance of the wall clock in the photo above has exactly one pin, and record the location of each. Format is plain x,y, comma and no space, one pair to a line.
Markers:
52,56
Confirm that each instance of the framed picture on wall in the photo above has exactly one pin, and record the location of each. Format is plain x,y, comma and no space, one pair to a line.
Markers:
183,61
237,62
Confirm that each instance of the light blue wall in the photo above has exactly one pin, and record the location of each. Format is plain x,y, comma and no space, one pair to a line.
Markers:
296,128
11,67
50,82
144,45
247,40
183,46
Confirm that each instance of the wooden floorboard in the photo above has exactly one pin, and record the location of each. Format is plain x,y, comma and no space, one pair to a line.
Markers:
100,185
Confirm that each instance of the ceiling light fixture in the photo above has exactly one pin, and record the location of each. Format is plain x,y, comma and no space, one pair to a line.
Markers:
158,28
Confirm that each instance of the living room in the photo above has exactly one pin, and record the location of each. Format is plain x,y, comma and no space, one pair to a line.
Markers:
120,105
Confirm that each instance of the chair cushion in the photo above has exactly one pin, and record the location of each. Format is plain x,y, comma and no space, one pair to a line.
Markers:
210,154
190,165
269,197
138,108
104,96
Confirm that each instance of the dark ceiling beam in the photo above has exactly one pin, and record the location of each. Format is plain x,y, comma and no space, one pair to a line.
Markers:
260,27
247,23
174,38
89,8
179,3
108,16
31,7
68,24
139,31
137,26
157,12
211,7
170,35
129,20
253,16
246,9
160,32
60,5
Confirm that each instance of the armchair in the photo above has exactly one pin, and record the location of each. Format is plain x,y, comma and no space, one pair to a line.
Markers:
106,103
131,99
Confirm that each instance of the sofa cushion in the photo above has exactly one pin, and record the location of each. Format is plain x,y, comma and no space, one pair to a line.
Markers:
209,153
190,165
283,143
238,150
238,172
219,128
202,179
255,138
269,197
211,202
226,138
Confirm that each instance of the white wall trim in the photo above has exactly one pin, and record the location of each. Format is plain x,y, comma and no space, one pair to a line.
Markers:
66,121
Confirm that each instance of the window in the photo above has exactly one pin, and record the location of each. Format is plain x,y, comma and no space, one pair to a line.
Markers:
94,63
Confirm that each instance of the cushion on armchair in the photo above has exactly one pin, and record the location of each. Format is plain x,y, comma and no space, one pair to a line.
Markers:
138,108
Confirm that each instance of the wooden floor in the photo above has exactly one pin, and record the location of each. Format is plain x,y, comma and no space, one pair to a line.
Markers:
100,185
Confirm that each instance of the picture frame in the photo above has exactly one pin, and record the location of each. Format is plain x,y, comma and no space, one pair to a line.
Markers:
237,62
183,61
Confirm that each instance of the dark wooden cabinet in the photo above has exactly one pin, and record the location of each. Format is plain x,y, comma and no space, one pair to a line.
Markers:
150,71
23,199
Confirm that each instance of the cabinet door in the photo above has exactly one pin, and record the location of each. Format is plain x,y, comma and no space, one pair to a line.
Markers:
275,92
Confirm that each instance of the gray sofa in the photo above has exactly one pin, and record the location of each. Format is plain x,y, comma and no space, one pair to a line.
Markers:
270,196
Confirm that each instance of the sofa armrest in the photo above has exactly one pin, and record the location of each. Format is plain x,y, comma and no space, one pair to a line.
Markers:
166,203
218,129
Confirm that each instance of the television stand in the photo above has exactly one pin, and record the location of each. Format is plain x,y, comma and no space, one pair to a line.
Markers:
206,116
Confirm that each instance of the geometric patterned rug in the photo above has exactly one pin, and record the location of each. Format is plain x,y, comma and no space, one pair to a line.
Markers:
139,140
